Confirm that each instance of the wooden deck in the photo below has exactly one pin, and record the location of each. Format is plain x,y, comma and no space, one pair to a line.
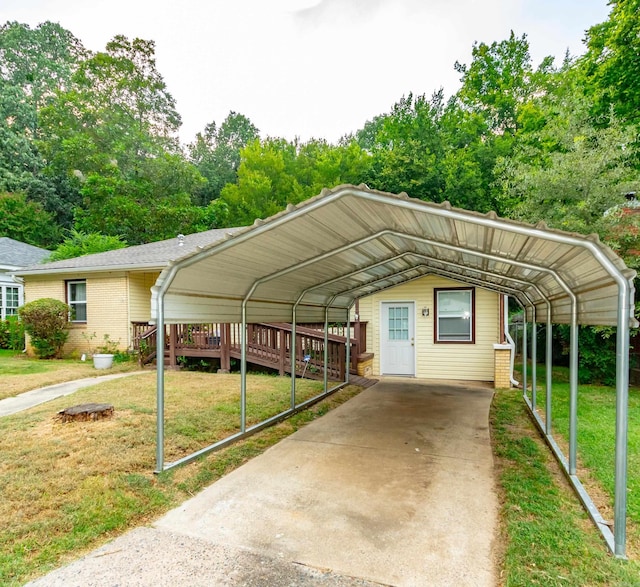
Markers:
268,345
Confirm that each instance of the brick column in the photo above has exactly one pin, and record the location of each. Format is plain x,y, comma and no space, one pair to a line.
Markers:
502,366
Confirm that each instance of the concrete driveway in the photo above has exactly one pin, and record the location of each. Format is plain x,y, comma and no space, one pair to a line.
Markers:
395,487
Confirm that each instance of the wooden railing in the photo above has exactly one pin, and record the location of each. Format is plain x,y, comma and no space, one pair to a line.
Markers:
268,345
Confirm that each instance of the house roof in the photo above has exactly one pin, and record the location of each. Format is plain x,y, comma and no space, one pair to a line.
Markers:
15,254
352,241
150,256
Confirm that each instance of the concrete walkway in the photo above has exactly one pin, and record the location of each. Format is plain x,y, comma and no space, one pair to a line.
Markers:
24,401
395,487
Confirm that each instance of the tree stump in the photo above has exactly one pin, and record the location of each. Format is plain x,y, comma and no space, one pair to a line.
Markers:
86,412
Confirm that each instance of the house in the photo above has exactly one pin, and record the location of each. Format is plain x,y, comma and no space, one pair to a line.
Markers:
109,292
434,328
426,327
15,255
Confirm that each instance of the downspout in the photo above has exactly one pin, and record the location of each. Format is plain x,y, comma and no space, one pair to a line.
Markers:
534,358
510,341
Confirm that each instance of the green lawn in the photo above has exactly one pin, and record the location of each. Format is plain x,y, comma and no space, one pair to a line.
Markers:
549,539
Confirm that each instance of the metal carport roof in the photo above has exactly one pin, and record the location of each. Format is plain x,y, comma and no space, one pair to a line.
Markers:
352,241
312,261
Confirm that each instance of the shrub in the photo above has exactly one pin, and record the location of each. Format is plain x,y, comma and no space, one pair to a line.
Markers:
45,321
11,334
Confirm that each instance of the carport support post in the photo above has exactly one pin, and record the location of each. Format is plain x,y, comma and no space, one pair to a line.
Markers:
293,357
622,404
549,369
524,351
326,348
160,385
243,368
534,359
348,352
573,390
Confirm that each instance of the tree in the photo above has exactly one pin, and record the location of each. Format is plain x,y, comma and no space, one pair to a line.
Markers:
500,80
406,148
570,172
34,65
469,159
216,153
117,110
611,64
39,61
152,205
275,172
27,221
77,244
112,137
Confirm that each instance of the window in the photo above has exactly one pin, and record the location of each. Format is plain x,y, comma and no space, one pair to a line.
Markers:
398,323
455,315
77,299
9,301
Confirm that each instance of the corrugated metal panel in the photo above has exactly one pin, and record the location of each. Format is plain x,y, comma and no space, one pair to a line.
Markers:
353,241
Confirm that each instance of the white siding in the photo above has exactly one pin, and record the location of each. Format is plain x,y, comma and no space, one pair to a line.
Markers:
438,361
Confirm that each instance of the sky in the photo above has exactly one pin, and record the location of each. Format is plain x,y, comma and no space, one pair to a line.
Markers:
311,68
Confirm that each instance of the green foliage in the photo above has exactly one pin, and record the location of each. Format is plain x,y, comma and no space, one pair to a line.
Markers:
78,243
570,172
500,80
152,204
45,321
620,226
36,63
216,153
275,172
11,334
407,148
611,65
596,351
27,221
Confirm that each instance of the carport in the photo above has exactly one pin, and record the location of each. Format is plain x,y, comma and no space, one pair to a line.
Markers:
311,262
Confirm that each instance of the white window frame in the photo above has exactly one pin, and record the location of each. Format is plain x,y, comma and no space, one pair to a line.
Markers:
4,299
467,315
73,303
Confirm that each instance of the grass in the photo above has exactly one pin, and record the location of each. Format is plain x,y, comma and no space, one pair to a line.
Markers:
20,373
596,442
548,538
67,488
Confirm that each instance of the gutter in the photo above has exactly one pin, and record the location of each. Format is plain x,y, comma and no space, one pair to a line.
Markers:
81,269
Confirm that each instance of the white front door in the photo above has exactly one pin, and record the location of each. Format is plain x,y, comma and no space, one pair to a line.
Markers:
397,350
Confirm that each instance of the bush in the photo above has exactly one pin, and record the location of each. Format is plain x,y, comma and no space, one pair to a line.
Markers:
11,334
596,351
45,321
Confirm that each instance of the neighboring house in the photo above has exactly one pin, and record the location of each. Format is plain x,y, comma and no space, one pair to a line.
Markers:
109,292
13,256
430,327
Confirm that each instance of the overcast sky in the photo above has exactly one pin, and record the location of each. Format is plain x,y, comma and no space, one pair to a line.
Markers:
311,68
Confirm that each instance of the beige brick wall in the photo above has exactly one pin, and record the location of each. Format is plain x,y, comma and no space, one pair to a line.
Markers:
107,308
